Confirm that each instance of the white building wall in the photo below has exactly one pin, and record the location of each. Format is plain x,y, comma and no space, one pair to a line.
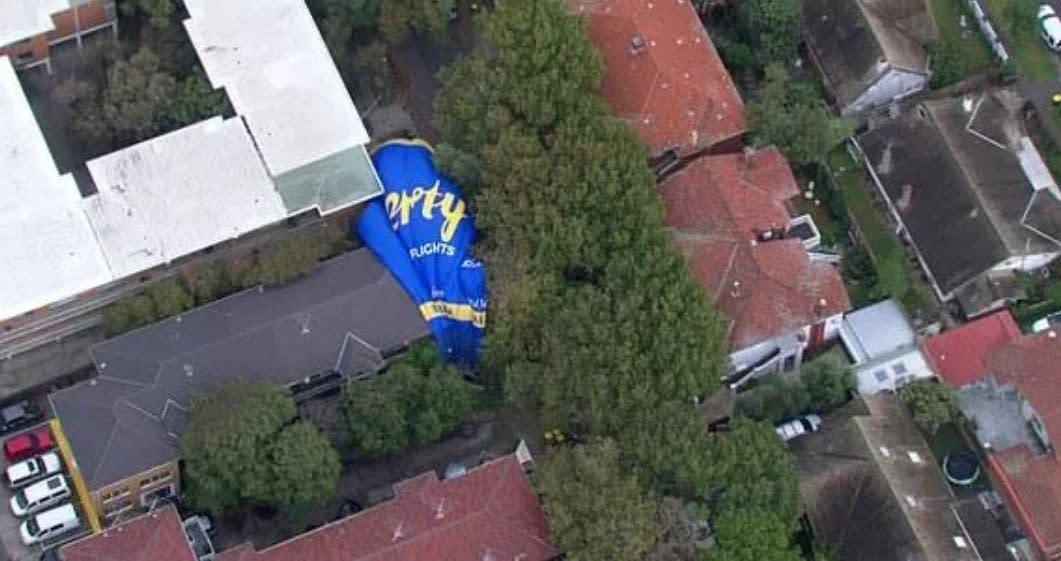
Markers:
892,84
892,373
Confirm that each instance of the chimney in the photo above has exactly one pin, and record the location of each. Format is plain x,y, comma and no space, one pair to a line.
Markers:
637,45
735,291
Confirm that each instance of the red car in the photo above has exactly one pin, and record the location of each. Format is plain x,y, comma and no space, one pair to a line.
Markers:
28,445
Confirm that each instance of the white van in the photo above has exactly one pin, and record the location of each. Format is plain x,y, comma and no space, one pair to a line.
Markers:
49,524
40,495
32,469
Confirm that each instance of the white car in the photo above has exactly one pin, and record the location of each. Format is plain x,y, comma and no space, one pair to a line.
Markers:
33,469
798,427
40,496
49,524
1049,27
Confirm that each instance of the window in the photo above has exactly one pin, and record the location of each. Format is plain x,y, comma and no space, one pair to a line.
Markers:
155,496
155,478
114,494
899,369
114,507
914,456
881,376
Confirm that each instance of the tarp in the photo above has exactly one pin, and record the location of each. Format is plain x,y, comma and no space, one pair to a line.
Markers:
420,231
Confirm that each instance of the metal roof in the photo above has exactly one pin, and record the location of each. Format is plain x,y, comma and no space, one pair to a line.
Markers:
345,315
48,251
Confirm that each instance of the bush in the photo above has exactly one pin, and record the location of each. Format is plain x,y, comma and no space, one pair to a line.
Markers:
408,405
829,381
932,404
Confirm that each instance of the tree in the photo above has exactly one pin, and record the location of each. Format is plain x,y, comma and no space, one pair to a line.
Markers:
682,527
829,381
793,117
304,469
749,467
594,511
406,405
139,101
933,404
775,24
398,17
227,441
775,399
159,12
354,13
752,534
170,297
286,260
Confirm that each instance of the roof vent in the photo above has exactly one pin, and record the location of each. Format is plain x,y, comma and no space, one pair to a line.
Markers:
1051,334
960,542
914,457
399,532
637,45
440,512
967,104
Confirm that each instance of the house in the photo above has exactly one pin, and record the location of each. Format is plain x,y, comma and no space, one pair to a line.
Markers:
343,320
29,28
296,147
489,512
873,491
870,52
962,173
664,77
959,356
883,347
1015,410
727,215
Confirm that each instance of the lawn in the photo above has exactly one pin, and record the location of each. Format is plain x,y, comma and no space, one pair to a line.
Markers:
959,52
1033,59
947,440
896,277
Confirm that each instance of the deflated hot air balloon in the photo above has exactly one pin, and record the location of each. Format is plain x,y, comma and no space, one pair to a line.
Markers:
421,232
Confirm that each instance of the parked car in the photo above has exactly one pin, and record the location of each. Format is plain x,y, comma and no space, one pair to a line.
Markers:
18,448
1050,27
40,496
798,427
1052,321
28,471
49,524
19,415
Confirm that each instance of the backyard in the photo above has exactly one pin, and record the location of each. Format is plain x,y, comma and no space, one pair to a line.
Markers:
948,440
960,51
1017,23
893,274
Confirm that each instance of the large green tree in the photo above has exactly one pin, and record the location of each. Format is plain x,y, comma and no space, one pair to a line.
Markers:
933,404
752,534
406,405
139,100
792,116
304,468
829,381
595,512
775,25
397,18
239,448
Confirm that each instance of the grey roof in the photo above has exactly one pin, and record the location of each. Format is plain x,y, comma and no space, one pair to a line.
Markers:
867,497
981,527
852,39
957,170
346,316
878,330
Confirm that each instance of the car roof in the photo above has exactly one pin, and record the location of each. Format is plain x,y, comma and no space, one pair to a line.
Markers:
1051,24
41,487
56,515
13,411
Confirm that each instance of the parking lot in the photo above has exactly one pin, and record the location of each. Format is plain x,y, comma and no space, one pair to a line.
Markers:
9,524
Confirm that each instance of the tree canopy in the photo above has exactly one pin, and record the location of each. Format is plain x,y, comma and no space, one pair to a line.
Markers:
409,404
595,512
829,381
234,448
752,534
933,404
792,116
775,25
140,100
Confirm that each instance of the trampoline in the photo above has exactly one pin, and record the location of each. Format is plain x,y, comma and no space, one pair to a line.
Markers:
961,468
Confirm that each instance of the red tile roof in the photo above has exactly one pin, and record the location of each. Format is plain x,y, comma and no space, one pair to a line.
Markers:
491,512
959,355
1031,483
158,536
674,90
718,207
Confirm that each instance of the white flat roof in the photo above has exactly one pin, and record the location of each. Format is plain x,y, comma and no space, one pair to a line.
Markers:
179,193
278,74
22,19
47,249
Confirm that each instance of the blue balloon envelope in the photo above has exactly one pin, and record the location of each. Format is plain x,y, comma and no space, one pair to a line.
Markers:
420,230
